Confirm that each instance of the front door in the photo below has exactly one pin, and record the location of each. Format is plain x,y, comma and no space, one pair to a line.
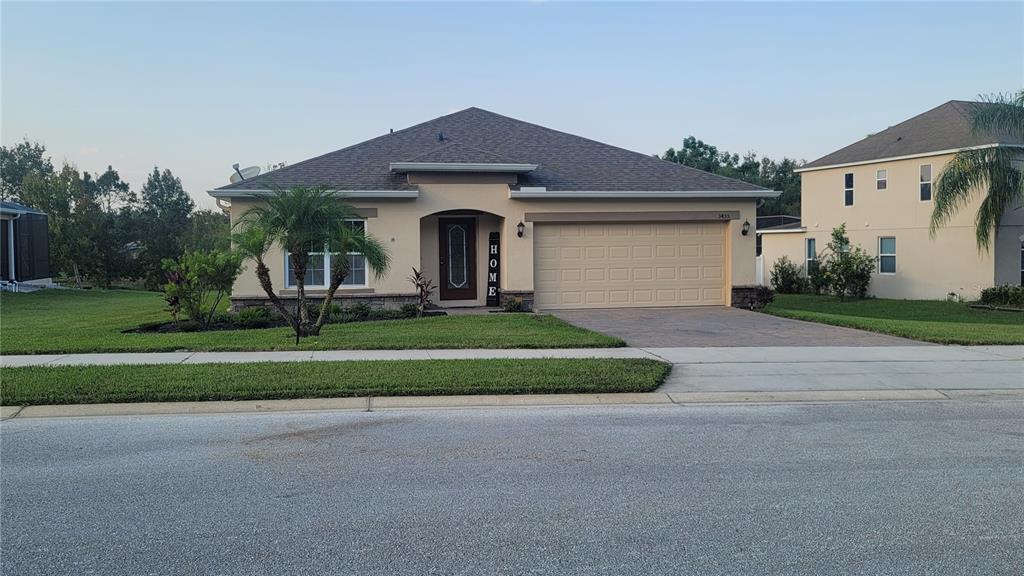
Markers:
457,258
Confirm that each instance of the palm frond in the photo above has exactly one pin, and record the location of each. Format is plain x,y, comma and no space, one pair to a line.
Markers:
347,239
252,242
1003,116
988,171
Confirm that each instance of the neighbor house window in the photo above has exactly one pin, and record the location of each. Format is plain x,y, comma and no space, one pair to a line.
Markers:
811,253
318,270
1022,263
926,182
881,179
887,255
848,190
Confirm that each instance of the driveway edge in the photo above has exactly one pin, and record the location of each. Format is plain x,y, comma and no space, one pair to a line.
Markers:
384,403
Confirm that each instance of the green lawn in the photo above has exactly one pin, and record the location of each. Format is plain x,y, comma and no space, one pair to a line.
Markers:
928,320
66,321
270,380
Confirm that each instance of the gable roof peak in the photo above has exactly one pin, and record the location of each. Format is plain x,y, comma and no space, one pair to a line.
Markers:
946,127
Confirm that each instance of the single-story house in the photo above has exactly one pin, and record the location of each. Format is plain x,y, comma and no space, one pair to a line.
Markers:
881,187
493,208
24,245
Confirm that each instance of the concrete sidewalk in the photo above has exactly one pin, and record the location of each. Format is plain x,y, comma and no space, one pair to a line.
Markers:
749,355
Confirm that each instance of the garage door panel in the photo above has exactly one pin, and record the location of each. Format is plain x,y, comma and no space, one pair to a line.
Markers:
621,265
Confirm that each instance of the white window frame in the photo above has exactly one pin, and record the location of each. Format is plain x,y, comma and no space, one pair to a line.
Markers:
895,263
882,179
807,249
1022,262
929,182
327,265
850,189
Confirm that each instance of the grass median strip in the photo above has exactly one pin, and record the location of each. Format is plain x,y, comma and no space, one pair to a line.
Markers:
282,380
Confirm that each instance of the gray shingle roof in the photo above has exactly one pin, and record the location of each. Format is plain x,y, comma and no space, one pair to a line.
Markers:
461,153
565,161
947,127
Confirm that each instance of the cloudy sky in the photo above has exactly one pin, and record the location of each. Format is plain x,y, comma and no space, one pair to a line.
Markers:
196,87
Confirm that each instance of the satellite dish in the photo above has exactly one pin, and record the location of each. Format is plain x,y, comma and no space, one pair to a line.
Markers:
244,173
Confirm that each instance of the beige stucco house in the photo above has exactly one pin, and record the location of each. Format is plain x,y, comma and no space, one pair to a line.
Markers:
882,188
493,208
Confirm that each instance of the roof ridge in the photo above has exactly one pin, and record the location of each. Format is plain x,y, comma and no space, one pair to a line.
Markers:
344,148
884,130
462,145
641,154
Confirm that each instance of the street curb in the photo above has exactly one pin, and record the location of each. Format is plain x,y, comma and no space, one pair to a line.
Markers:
368,404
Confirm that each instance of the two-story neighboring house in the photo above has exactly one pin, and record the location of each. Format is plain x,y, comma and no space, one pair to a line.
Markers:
882,187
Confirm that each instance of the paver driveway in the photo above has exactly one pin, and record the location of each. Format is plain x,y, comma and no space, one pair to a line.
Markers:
718,326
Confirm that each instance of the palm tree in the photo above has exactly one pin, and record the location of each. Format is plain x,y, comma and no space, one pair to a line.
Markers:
994,170
300,221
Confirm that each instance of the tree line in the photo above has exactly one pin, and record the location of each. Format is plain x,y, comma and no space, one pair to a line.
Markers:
765,172
102,231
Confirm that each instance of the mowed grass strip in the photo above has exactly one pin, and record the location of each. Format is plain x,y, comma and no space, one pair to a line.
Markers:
74,321
927,320
36,385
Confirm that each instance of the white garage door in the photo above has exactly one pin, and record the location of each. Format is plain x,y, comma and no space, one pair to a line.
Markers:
615,265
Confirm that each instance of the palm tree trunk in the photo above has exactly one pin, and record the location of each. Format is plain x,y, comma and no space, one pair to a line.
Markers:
299,263
263,273
337,277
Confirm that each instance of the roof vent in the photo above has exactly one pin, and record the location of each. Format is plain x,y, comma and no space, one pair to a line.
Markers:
440,136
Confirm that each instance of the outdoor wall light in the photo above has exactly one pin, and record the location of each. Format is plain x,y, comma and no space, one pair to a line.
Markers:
520,229
746,227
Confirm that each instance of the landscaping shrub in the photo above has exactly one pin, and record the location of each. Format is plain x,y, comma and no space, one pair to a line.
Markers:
515,304
424,288
411,310
762,297
816,277
254,317
847,269
358,311
1005,295
787,277
198,281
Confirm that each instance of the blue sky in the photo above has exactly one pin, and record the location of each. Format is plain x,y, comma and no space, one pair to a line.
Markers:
196,87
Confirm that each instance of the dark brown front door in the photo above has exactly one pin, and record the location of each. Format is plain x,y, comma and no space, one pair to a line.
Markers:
457,257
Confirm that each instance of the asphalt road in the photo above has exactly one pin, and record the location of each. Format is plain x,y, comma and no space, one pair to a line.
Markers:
870,488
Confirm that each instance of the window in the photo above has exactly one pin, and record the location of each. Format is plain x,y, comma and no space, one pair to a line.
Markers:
1022,263
848,190
881,179
356,261
926,183
811,254
318,271
887,255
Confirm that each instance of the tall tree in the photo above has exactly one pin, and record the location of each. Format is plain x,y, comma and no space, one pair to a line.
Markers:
163,215
24,159
994,172
768,173
108,221
208,230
